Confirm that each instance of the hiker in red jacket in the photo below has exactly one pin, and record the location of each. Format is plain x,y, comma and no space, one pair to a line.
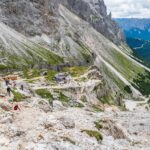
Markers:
16,107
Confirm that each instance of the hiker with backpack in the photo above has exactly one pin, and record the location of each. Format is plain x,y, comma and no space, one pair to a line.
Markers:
22,87
14,84
7,82
9,91
16,107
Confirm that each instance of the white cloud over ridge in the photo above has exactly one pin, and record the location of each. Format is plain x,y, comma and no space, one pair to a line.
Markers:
129,8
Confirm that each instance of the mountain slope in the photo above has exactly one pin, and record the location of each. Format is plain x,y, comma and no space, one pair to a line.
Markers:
124,68
17,51
79,43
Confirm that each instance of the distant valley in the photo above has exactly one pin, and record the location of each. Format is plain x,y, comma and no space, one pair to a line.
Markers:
137,33
141,49
135,28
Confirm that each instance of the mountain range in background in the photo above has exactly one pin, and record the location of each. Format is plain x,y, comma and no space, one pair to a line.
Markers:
137,33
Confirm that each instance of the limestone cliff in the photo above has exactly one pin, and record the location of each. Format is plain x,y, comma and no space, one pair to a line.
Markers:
34,17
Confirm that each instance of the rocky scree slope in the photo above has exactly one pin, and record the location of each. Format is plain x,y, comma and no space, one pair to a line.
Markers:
56,26
56,125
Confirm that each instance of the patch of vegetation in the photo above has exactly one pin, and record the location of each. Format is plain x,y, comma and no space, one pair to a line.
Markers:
113,78
15,62
3,67
31,80
76,71
69,140
63,97
128,89
98,125
79,105
95,134
43,55
106,99
18,97
94,18
97,109
123,65
36,55
44,93
142,83
50,75
87,57
29,74
52,58
85,51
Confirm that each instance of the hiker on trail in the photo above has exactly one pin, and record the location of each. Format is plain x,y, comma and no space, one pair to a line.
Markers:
14,84
8,91
6,82
16,107
22,87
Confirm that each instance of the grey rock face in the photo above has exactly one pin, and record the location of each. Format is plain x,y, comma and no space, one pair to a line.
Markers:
30,17
34,17
95,12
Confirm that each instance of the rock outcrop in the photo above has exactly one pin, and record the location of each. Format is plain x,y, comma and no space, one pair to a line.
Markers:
33,17
95,12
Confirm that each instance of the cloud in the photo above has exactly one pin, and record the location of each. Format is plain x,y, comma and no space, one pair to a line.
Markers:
129,8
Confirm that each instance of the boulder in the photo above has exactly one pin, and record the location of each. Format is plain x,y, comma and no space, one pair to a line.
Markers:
94,74
45,106
83,98
5,106
58,106
67,122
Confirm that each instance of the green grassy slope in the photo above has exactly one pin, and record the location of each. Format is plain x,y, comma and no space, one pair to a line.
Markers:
125,69
16,51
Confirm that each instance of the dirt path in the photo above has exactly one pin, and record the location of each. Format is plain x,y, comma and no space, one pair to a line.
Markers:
132,105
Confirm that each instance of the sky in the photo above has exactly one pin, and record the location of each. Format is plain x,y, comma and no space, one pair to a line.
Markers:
129,8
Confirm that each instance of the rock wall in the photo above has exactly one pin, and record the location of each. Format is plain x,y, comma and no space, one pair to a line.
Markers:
29,17
35,17
95,12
